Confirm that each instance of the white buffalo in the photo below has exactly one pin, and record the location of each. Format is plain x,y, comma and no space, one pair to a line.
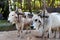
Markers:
38,24
53,22
23,21
37,21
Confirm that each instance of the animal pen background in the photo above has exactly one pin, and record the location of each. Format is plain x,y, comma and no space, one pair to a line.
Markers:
28,5
36,5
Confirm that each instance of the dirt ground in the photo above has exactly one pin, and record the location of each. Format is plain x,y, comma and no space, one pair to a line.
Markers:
12,35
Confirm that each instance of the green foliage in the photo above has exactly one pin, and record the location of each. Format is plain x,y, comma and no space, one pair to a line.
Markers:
17,4
5,26
35,5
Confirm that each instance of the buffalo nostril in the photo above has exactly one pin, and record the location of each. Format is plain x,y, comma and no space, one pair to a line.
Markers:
32,27
39,21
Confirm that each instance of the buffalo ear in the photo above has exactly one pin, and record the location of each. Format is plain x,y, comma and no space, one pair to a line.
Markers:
40,15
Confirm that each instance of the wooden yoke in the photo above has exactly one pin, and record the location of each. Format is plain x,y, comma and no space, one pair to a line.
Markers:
19,13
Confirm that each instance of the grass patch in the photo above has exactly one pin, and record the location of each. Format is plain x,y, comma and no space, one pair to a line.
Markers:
5,26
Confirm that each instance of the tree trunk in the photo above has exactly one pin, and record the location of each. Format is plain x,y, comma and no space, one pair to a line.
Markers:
29,5
34,5
20,1
52,3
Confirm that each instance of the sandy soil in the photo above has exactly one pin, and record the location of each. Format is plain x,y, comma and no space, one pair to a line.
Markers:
12,35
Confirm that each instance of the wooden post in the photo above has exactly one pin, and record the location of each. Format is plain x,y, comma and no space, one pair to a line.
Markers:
44,8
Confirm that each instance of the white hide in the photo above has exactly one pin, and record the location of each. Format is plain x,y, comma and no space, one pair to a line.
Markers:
53,21
12,17
36,24
26,13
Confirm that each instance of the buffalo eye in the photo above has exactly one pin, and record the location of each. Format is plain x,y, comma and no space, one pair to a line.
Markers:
12,15
35,19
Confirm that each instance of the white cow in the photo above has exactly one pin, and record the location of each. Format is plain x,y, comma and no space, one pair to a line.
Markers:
38,24
23,22
37,21
53,22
